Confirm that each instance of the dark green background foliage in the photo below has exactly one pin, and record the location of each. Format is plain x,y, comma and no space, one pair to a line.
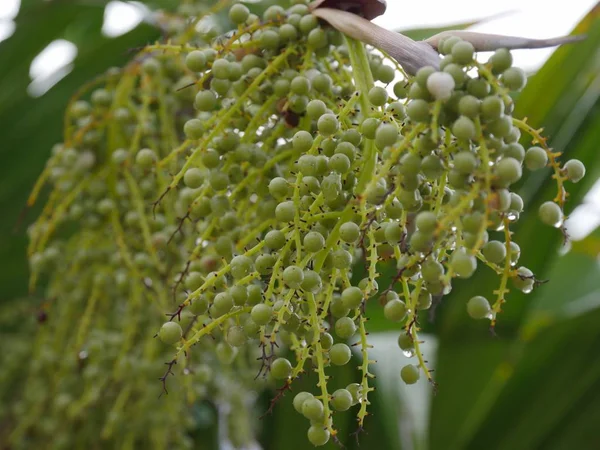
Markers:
534,386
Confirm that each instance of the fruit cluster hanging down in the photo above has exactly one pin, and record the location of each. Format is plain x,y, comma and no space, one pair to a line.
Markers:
226,202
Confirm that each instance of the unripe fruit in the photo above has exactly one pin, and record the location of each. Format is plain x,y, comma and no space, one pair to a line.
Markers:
341,400
312,409
352,297
575,170
463,128
551,214
170,332
524,280
478,307
463,264
386,134
536,158
345,328
410,374
440,85
340,354
293,276
318,435
281,368
261,314
395,310
299,400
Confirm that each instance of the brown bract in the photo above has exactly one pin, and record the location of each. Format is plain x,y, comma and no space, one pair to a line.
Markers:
369,9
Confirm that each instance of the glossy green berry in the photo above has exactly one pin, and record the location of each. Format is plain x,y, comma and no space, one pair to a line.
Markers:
241,266
355,390
400,89
352,297
170,332
345,327
514,150
193,178
418,111
341,400
339,163
285,211
492,108
551,214
469,106
146,158
524,280
386,134
405,342
432,167
300,85
317,39
269,39
478,307
369,127
378,96
196,61
386,74
199,305
220,69
261,313
536,158
465,162
501,60
462,52
222,304
440,85
508,171
293,276
318,435
463,128
312,281
279,188
312,409
393,232
315,109
349,232
457,73
341,259
328,124
299,400
494,251
275,239
432,270
340,354
514,78
395,310
425,300
205,100
239,13
193,129
281,368
575,170
410,374
478,87
463,264
314,241
501,127
288,32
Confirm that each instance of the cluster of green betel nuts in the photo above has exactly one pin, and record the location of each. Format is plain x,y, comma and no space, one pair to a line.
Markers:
239,186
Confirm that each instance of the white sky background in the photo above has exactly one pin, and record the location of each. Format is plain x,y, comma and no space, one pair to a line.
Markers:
529,18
